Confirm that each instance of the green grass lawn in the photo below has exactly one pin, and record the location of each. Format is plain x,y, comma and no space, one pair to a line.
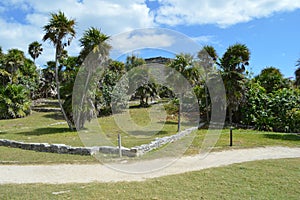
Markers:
269,179
51,128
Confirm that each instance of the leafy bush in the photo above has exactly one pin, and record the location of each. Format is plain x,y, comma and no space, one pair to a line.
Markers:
278,111
14,101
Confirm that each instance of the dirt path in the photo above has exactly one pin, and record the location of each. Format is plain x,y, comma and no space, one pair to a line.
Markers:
67,173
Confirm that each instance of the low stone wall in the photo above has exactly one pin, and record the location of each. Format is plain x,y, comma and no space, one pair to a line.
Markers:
45,147
158,142
65,149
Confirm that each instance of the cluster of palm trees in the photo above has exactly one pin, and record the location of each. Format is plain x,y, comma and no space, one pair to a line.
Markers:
61,73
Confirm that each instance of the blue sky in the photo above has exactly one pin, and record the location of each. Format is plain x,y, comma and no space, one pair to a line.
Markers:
270,28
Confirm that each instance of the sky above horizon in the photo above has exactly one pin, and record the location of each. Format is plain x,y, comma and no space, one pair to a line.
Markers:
270,28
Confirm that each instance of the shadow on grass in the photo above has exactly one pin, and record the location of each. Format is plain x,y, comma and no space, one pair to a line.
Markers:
146,133
45,131
292,137
56,116
3,132
139,106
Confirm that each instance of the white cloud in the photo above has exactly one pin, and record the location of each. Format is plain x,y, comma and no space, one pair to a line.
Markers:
115,16
112,17
205,39
222,13
141,38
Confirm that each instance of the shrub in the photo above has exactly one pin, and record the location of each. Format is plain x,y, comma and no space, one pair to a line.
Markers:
14,101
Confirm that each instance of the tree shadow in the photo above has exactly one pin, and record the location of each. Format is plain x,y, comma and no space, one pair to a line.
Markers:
146,133
162,133
3,132
293,137
139,106
45,131
56,116
169,122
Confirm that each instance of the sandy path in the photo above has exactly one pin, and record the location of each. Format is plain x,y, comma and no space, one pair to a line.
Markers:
70,173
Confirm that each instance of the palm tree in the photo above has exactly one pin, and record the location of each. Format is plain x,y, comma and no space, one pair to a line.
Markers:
59,31
183,63
93,41
208,56
95,47
233,65
297,74
12,61
35,49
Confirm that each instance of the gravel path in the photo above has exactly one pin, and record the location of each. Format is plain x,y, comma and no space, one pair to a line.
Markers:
79,173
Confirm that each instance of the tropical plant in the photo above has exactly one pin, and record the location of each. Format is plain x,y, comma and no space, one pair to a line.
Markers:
29,77
208,57
271,79
297,74
60,32
35,49
232,65
93,41
139,80
95,52
183,63
110,77
14,101
12,61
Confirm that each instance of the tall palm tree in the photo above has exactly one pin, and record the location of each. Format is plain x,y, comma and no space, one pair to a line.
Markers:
59,31
95,47
233,64
35,49
209,56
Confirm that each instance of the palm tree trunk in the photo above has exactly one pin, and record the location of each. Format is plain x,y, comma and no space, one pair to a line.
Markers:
58,90
230,115
206,104
179,114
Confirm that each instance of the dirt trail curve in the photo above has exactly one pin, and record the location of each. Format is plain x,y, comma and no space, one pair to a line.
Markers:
79,173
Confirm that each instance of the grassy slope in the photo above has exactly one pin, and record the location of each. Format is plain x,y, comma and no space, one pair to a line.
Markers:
271,179
49,127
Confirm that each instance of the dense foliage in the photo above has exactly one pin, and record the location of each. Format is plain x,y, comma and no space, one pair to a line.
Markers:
268,101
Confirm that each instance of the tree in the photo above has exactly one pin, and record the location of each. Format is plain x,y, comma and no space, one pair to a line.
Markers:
12,61
139,80
93,41
95,52
109,93
233,64
29,77
35,49
271,79
60,32
297,74
208,57
183,63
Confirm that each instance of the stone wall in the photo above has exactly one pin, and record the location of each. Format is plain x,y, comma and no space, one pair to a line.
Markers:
65,149
158,142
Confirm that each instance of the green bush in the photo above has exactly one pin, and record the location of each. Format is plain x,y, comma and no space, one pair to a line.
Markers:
14,101
277,111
